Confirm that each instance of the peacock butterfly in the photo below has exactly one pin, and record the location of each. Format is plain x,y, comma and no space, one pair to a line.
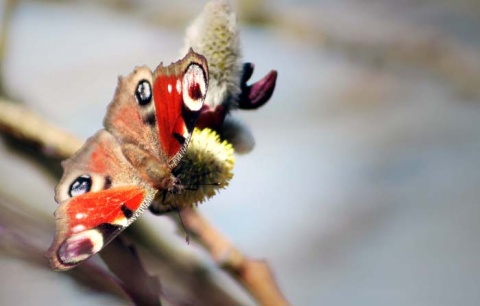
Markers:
115,176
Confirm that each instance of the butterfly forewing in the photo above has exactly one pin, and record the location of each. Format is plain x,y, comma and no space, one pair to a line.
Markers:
179,92
131,115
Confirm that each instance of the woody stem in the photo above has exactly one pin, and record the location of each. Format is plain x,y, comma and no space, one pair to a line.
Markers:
254,275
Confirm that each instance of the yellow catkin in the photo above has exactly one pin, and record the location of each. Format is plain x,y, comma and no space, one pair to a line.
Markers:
204,170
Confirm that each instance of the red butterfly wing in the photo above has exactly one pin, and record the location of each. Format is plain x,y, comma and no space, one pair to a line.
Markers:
100,194
179,92
85,224
131,115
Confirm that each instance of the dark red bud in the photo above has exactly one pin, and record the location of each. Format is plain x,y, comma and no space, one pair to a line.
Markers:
257,94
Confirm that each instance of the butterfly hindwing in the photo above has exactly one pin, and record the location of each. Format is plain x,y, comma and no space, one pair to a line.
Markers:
100,194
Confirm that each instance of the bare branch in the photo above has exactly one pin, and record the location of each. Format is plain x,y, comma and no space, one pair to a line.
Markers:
255,275
52,141
124,262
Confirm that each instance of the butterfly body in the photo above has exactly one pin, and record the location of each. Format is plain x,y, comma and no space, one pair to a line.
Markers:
115,176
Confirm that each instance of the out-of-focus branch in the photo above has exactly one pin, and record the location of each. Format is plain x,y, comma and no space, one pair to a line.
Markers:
122,260
21,123
255,275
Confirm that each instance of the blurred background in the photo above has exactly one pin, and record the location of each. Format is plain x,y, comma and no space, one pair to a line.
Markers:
363,186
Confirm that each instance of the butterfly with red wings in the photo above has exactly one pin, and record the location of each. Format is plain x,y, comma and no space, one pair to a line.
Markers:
115,176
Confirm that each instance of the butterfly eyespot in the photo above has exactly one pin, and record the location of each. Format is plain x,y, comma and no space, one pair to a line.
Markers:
81,185
143,93
194,87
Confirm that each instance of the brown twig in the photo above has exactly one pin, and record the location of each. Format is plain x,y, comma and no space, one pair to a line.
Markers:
255,275
123,261
51,140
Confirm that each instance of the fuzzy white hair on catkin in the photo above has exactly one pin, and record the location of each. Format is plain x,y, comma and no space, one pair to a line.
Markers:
214,34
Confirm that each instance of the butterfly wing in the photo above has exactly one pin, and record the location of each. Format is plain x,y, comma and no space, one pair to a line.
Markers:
100,194
157,112
179,91
131,114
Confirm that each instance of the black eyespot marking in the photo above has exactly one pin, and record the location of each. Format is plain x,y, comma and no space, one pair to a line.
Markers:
80,186
108,182
143,93
71,252
150,119
194,87
127,212
195,91
108,231
190,117
179,138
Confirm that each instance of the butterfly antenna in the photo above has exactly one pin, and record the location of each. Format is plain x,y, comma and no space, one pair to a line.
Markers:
164,195
187,238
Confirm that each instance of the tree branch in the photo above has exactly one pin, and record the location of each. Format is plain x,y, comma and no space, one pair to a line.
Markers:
254,275
53,141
